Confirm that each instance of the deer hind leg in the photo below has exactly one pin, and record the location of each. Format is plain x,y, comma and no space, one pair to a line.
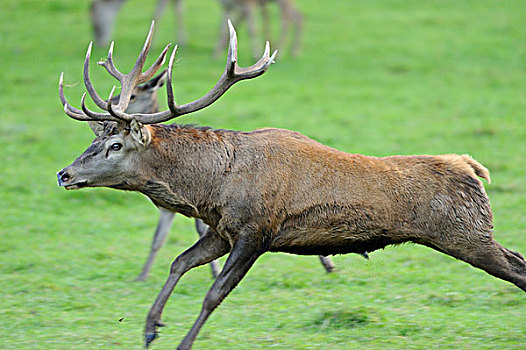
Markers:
486,254
209,247
327,263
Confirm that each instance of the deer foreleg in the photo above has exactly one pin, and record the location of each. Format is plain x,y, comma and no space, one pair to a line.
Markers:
166,218
181,31
209,247
243,255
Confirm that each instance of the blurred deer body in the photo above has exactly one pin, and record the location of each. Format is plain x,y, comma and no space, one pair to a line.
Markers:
243,10
144,97
104,12
277,190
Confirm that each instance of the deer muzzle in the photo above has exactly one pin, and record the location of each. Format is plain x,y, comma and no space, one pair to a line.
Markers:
68,181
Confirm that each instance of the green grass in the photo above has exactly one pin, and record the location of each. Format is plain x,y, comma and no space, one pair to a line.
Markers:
375,77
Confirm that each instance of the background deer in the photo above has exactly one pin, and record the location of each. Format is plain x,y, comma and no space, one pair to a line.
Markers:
144,100
104,12
277,190
243,10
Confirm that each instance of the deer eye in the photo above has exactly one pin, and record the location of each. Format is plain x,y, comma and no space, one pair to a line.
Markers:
116,146
132,97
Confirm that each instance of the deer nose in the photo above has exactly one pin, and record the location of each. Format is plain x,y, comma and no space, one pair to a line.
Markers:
63,176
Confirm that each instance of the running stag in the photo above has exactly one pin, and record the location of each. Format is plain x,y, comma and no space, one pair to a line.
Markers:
277,190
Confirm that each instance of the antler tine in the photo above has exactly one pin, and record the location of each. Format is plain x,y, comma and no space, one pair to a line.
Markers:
110,66
154,67
232,74
231,60
117,114
169,87
94,115
71,111
132,79
139,63
257,68
87,82
160,116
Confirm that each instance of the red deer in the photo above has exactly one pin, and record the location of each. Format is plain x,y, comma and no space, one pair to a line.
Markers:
144,100
274,190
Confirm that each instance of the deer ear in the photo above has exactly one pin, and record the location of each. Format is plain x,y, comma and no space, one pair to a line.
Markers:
97,127
140,133
157,82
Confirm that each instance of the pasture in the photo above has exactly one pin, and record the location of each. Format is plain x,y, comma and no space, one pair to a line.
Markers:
377,77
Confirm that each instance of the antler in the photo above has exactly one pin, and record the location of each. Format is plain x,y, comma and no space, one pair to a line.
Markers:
232,74
128,83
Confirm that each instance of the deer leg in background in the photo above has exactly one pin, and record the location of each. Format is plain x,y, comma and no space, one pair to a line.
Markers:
209,247
201,228
297,17
179,18
179,15
223,34
245,252
290,13
228,13
103,14
159,10
163,227
327,263
247,11
266,21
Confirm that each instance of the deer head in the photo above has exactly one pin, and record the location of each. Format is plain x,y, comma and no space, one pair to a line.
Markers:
144,97
123,140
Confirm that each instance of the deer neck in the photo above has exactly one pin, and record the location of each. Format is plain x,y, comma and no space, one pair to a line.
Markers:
184,167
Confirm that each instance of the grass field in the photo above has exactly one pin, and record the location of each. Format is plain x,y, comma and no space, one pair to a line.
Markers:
376,77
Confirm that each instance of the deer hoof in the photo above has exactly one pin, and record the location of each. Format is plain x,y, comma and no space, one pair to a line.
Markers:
140,278
148,338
